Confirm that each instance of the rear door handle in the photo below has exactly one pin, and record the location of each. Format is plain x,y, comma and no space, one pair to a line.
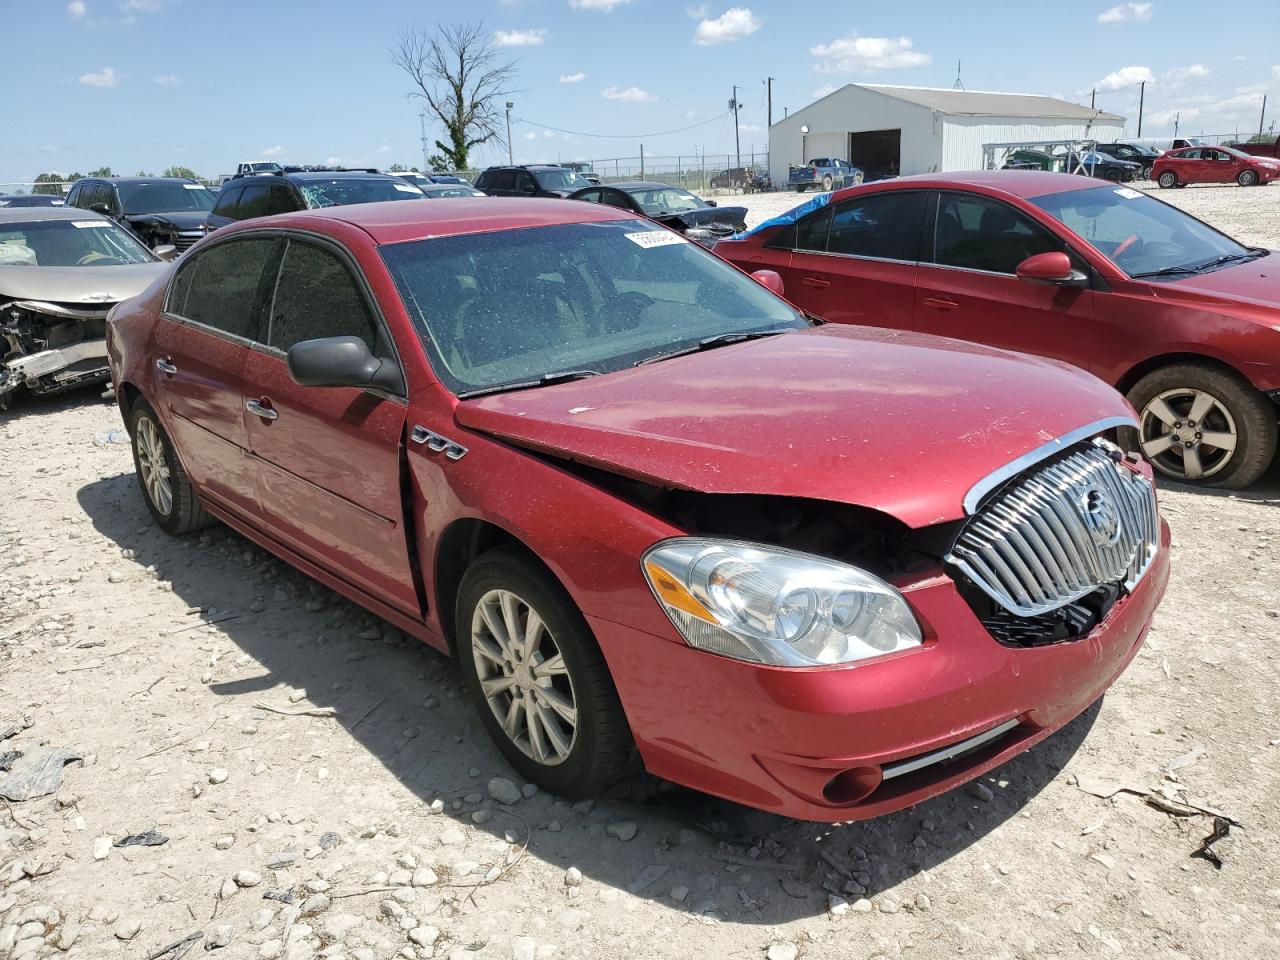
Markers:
164,366
258,410
939,304
815,282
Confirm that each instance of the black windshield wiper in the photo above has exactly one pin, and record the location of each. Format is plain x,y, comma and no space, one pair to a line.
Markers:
1166,272
710,343
1252,253
560,376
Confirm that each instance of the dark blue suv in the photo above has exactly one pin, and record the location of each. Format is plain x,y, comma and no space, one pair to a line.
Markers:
263,195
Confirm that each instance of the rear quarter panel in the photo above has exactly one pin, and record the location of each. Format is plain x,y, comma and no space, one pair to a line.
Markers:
129,330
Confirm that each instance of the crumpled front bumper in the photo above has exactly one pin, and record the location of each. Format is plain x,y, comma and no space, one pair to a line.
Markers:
65,367
834,744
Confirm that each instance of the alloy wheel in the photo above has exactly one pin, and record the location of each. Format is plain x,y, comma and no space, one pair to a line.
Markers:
154,465
1168,180
1188,434
524,677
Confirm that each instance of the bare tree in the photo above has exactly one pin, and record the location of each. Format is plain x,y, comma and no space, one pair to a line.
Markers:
458,73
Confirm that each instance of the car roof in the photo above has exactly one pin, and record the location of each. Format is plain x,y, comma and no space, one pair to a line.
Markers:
27,214
1018,183
142,179
527,166
397,221
641,185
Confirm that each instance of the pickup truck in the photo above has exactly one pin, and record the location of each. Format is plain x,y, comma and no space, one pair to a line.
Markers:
1265,149
824,174
251,167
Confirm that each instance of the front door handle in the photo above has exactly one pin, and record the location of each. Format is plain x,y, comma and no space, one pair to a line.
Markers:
165,367
258,409
939,304
815,282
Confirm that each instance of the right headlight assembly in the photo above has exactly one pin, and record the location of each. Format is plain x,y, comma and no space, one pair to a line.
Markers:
774,606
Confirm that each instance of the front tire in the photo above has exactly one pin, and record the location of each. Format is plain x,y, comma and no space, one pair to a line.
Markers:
1247,178
538,678
1168,179
168,493
1203,425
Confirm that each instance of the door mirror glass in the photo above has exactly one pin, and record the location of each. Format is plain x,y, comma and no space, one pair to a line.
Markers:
166,252
101,208
341,362
1052,268
770,280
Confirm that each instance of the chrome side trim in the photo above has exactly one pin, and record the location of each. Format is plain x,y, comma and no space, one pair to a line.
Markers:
436,443
1031,457
946,753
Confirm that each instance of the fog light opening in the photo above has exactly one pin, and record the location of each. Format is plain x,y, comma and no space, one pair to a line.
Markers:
850,786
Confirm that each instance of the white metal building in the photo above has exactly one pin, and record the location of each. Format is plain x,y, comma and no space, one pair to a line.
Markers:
888,130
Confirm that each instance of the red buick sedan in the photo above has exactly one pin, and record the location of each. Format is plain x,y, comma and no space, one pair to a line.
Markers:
650,506
1178,316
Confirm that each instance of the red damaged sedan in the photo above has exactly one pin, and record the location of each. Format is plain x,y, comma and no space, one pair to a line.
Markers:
650,507
1178,316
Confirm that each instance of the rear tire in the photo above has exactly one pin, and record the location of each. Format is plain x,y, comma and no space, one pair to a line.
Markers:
1247,178
1239,413
1168,179
547,674
827,184
168,493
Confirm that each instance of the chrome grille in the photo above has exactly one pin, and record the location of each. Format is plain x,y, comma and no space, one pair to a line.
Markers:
186,239
1060,531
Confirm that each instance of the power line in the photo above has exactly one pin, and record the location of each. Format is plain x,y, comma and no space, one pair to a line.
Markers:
622,136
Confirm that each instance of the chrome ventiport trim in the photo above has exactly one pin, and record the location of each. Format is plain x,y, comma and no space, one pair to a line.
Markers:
436,443
946,753
1060,531
1015,467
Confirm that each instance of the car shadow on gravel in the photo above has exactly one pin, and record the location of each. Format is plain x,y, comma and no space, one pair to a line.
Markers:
27,406
404,708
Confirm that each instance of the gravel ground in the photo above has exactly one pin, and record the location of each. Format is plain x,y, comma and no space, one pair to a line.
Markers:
325,790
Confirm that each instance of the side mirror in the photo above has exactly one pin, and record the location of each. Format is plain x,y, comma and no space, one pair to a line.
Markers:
166,252
530,189
341,362
770,280
101,208
1051,268
711,203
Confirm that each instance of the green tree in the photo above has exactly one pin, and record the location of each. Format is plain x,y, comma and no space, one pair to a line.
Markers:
180,171
144,173
100,172
397,168
439,164
458,74
50,184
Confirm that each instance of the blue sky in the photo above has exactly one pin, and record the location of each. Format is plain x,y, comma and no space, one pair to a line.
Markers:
142,84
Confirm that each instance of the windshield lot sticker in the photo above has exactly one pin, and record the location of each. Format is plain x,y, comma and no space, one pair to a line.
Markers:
405,188
1128,193
90,223
655,238
193,186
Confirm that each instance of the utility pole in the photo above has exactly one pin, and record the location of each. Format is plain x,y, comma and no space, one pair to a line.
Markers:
737,142
1142,99
511,157
768,82
426,164
768,130
1176,118
1093,99
1263,118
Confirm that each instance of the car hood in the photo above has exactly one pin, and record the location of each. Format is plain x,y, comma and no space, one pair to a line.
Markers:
897,422
182,219
1256,283
77,284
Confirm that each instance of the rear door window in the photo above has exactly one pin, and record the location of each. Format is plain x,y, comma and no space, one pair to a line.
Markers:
223,292
885,226
227,201
317,296
811,232
280,200
253,202
500,180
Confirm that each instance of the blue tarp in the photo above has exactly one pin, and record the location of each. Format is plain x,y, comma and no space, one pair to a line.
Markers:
790,217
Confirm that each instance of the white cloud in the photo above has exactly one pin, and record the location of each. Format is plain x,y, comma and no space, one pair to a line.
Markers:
1239,58
276,151
547,135
142,6
750,127
855,54
734,24
606,6
1125,13
520,38
76,9
573,77
1197,71
628,95
1125,77
699,12
530,135
333,161
385,148
167,79
106,77
1276,70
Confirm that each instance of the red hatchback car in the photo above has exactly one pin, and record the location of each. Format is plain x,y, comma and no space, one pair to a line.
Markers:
649,506
1177,168
1179,317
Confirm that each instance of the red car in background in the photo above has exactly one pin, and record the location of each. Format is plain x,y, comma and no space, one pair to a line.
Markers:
649,505
1176,315
1178,168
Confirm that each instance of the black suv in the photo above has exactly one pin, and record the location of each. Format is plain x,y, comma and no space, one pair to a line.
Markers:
159,210
263,195
530,180
1134,153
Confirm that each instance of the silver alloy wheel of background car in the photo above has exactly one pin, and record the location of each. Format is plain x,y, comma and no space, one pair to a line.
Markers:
1188,434
524,677
1247,178
1168,179
154,465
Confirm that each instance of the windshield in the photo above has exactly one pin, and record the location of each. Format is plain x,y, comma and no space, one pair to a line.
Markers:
558,179
516,305
340,191
444,190
665,200
1238,154
165,196
69,243
1139,234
